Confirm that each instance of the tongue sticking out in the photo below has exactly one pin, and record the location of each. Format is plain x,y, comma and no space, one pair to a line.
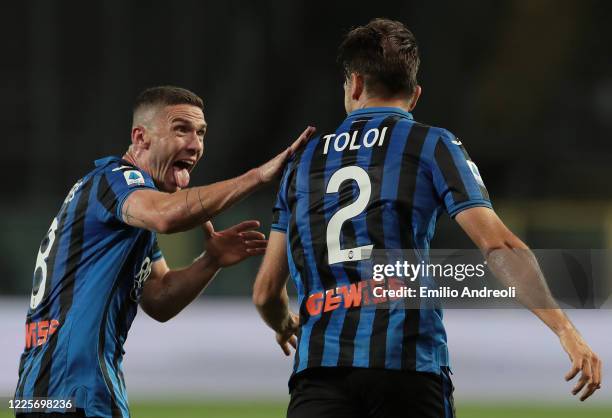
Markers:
181,177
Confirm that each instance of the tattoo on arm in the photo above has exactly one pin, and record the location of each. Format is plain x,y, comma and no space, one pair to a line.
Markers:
187,202
189,211
202,204
129,218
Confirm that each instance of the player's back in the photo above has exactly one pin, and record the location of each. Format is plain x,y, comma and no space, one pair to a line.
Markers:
377,183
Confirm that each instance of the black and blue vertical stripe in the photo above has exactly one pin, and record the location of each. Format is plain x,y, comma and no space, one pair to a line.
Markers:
415,174
91,270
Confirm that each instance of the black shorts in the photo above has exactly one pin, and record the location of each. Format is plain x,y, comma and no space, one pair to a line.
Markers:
370,393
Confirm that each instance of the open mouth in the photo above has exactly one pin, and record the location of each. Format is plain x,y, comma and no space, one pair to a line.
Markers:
181,170
184,164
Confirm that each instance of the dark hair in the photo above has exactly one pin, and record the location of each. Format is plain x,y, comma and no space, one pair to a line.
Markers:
167,96
385,53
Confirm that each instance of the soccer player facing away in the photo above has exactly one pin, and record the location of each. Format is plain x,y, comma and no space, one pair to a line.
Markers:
100,257
380,181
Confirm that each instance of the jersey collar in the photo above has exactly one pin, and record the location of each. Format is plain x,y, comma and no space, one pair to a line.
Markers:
378,110
107,160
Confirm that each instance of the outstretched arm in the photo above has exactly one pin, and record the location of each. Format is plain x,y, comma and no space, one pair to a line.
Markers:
186,209
513,264
270,293
166,292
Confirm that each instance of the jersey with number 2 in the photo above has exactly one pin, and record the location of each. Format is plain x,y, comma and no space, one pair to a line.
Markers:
378,183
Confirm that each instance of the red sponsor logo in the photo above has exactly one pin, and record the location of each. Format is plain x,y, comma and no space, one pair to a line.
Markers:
38,333
349,296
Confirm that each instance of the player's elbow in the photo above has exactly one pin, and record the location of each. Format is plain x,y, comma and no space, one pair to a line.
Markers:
155,308
165,225
169,224
262,295
260,299
160,315
507,241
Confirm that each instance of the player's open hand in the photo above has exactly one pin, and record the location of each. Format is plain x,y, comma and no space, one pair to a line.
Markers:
583,360
287,336
234,244
273,168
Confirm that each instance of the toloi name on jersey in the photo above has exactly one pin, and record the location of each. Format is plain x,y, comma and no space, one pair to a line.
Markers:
373,137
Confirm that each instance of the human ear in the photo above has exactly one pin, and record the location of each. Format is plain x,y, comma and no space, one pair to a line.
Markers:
139,137
357,86
415,97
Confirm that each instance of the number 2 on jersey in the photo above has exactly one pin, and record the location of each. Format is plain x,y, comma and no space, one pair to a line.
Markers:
334,252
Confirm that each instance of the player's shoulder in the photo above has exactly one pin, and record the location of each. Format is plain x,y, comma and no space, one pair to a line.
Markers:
438,134
307,147
113,164
117,169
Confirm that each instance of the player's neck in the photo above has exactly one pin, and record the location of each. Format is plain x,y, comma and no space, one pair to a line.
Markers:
376,102
131,157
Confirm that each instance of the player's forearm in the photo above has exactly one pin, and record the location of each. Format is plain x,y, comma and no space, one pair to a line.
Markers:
270,288
178,288
556,320
191,207
274,310
518,267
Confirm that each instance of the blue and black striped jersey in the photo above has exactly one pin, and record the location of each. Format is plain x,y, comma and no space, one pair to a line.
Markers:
379,182
88,278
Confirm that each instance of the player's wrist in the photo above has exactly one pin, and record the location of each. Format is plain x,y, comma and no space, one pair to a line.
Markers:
209,261
287,325
567,330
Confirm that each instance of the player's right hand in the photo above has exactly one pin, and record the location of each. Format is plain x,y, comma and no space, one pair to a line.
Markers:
583,360
287,336
234,244
273,168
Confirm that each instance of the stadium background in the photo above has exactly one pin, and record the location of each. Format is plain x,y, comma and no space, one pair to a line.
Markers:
526,85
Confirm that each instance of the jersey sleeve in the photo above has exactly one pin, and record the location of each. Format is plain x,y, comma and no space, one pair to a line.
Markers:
116,185
280,211
456,177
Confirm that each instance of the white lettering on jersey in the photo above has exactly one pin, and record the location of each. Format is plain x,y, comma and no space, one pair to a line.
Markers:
475,172
373,137
140,278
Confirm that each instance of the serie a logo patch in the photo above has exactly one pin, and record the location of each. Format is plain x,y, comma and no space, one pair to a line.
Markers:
133,177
